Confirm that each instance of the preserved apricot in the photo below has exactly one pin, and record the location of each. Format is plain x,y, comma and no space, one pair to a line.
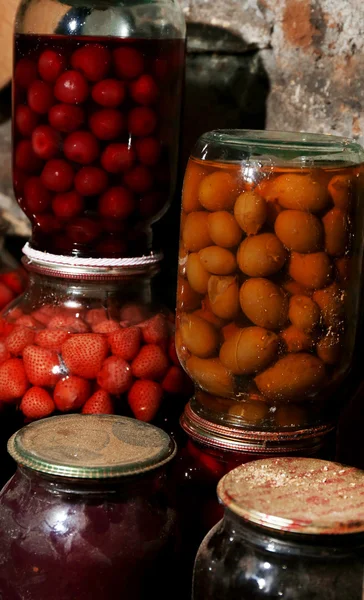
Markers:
261,255
223,229
336,231
195,233
298,192
341,190
303,312
191,183
296,340
329,348
211,376
188,299
293,377
253,412
299,231
198,335
249,350
218,191
331,303
208,315
250,211
223,293
310,270
197,275
218,261
264,303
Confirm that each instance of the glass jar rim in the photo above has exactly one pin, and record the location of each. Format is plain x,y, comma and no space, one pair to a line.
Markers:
293,146
91,446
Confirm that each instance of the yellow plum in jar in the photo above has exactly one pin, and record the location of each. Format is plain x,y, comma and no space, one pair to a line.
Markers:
187,298
218,261
193,177
290,416
249,350
341,190
261,255
217,191
197,275
299,192
294,288
299,231
253,412
182,352
264,303
303,312
329,348
223,294
228,330
310,270
250,211
296,340
293,377
211,376
198,335
208,315
195,232
331,303
336,231
223,229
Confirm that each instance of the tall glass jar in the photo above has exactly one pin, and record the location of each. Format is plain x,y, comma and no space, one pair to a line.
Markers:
270,267
87,514
292,529
89,341
97,100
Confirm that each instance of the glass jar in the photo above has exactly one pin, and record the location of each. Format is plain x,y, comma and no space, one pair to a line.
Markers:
97,100
209,451
269,274
79,340
87,513
293,529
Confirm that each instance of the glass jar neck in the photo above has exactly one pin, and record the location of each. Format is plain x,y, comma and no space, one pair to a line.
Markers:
281,542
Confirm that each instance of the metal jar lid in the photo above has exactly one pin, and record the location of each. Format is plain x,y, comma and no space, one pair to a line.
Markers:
296,495
91,446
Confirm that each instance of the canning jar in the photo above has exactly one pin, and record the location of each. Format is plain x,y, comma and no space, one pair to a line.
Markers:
97,99
87,514
270,266
84,340
293,528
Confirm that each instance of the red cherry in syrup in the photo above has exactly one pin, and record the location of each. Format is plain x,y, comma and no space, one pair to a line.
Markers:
71,87
148,150
81,147
144,90
25,72
50,65
67,205
19,179
107,124
25,120
93,61
46,142
37,197
83,230
139,179
109,93
128,62
141,121
160,68
111,247
47,223
40,96
57,175
111,225
66,117
117,158
117,203
25,158
151,204
91,181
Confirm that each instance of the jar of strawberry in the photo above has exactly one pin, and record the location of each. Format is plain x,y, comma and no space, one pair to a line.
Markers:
80,339
97,99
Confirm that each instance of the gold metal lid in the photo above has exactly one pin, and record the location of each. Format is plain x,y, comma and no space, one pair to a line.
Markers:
91,446
297,495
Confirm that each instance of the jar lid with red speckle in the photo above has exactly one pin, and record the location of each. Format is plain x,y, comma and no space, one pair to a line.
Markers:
297,495
91,446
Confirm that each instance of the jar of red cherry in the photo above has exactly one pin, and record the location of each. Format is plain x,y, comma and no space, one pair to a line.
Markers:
212,448
87,515
80,339
97,98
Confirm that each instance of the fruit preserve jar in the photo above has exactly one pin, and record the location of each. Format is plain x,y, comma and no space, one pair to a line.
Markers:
83,340
270,264
87,514
97,98
292,528
212,449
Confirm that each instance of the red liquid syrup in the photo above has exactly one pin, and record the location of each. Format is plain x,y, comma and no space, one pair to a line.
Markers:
95,140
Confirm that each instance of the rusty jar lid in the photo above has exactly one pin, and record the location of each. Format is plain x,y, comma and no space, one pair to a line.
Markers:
297,495
91,446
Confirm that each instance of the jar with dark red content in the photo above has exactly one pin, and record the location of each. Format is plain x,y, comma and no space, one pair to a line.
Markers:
212,449
293,528
97,99
87,514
